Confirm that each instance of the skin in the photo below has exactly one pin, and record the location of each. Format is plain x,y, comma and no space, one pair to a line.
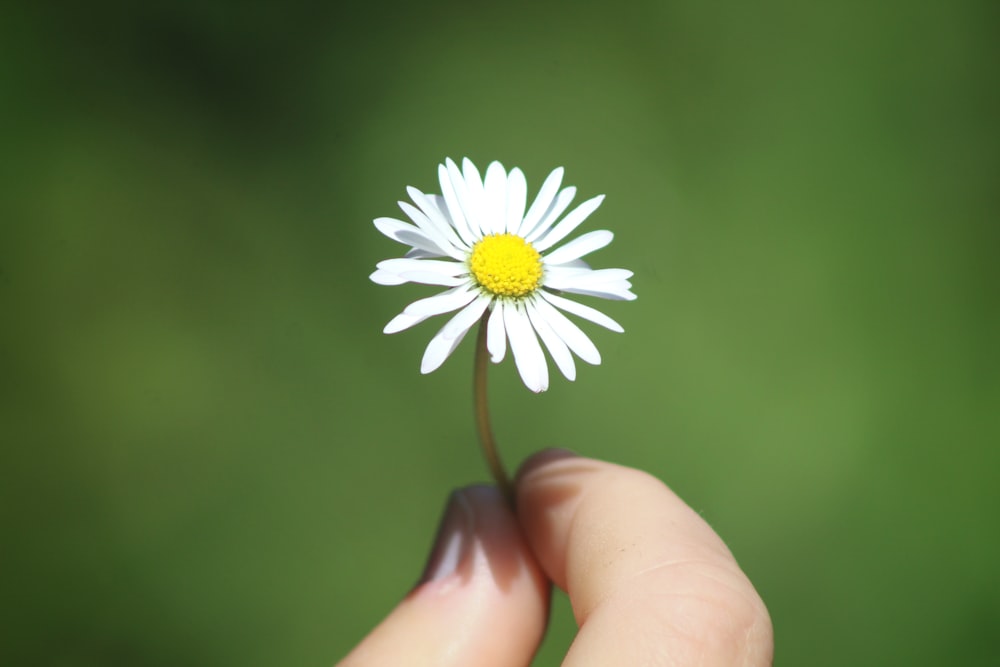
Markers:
649,581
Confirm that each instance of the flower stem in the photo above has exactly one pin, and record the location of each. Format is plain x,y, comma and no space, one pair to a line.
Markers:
486,439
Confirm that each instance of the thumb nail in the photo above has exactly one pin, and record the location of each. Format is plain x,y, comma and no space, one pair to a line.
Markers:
452,544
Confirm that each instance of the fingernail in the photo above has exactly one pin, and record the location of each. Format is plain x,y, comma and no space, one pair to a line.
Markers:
453,539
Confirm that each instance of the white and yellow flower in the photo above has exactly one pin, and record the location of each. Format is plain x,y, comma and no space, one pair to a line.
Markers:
476,239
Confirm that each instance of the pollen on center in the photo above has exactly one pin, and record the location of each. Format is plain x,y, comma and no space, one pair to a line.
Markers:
506,265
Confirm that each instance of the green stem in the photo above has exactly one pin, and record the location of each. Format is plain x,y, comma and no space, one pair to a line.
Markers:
486,439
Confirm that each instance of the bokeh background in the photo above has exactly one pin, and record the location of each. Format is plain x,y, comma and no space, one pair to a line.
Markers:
212,456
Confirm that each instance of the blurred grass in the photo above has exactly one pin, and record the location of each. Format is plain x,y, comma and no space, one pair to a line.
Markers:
209,453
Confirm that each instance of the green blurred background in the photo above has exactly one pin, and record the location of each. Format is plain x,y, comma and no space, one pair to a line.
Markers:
210,455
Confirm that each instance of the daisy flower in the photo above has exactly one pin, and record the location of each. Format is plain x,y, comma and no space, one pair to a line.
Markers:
502,263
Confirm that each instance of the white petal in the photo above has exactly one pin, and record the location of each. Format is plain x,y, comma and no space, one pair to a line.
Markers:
466,317
439,349
465,200
432,278
496,337
575,264
610,291
528,356
419,241
427,271
401,265
447,242
605,275
432,209
570,333
580,310
454,206
390,226
562,201
563,274
402,322
441,205
566,279
568,224
381,277
495,203
517,193
542,202
557,348
445,302
580,246
474,196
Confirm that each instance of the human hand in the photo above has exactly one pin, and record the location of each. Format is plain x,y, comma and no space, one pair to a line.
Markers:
649,581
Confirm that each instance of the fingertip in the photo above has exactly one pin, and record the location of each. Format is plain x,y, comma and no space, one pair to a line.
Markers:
541,458
630,553
477,531
480,600
549,487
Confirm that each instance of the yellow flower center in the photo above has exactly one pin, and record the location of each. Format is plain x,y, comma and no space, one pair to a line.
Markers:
506,265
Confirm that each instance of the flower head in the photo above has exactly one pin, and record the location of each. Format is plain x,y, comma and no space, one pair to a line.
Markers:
477,239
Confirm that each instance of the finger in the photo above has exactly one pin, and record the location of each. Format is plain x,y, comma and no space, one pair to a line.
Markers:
481,600
649,581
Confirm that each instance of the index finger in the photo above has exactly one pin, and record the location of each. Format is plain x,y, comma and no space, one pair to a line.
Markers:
649,581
